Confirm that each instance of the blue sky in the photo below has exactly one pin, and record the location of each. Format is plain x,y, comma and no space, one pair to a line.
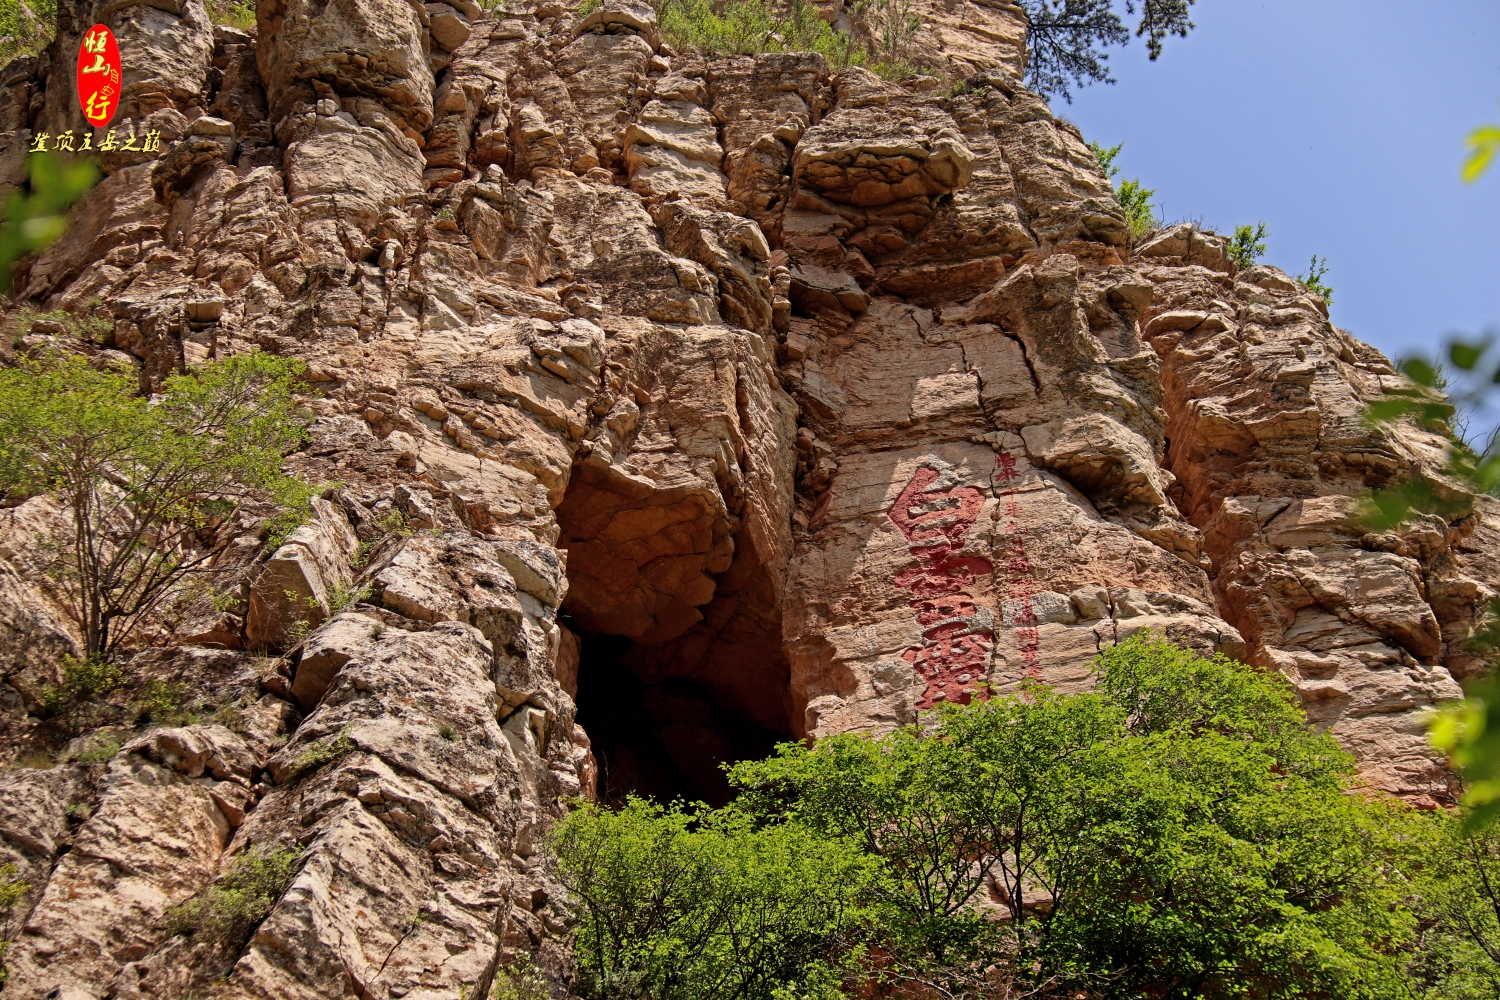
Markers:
1341,124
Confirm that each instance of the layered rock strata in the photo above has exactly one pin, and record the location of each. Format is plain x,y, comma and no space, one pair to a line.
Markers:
815,400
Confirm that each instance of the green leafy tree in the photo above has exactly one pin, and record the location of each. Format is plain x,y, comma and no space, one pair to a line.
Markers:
1179,832
1456,890
37,215
1248,244
152,487
1067,39
678,903
85,683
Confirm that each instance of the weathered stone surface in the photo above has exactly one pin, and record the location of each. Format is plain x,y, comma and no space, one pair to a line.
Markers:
153,841
298,583
712,402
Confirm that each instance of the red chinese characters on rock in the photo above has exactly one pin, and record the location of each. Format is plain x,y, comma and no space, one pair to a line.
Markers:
1020,581
957,635
98,75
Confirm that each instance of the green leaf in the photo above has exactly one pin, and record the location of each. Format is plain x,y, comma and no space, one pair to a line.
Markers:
1484,143
1387,409
1420,371
1465,354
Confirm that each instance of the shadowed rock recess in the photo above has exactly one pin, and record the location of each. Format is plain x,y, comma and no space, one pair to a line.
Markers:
704,402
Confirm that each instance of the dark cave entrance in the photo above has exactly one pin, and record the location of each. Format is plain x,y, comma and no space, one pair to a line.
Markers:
662,737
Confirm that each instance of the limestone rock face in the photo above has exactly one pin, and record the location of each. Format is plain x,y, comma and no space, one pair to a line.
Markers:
663,408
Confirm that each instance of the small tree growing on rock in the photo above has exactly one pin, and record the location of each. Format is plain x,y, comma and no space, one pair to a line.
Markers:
151,485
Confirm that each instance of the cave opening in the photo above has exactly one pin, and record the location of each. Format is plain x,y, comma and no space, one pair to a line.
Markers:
663,735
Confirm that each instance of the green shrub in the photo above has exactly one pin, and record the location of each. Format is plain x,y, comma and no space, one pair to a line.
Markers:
77,702
1248,244
520,980
26,27
161,703
90,327
395,523
1313,279
99,749
1106,157
234,13
240,898
1140,215
676,903
344,596
325,752
12,891
883,38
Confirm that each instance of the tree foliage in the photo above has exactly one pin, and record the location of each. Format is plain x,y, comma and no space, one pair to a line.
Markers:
1067,39
150,486
1248,244
1456,888
1177,832
1133,197
687,903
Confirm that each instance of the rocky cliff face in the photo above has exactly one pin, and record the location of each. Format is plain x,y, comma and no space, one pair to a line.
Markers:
675,406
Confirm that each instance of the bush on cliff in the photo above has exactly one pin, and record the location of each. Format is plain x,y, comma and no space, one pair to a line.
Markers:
26,27
1133,196
1178,832
881,38
152,487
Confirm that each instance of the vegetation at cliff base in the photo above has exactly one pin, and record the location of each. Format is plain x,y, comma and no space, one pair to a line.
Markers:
688,902
152,487
1177,832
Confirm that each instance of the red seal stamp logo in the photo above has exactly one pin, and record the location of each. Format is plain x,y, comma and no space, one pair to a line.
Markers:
99,75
